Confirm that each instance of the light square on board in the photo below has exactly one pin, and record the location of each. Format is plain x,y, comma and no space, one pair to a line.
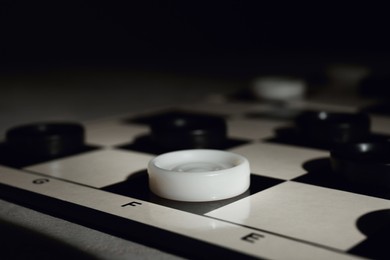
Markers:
380,124
304,212
252,128
332,103
112,132
96,169
278,161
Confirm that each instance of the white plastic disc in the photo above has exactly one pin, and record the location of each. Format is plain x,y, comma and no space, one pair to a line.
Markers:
199,175
279,88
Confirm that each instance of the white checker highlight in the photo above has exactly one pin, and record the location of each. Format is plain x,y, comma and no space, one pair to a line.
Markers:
199,175
275,88
278,161
305,212
96,169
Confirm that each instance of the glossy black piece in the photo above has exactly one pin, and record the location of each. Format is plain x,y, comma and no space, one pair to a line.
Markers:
45,140
35,143
189,131
333,127
323,130
365,163
175,130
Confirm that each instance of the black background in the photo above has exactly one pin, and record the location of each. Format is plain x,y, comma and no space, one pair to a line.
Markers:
210,36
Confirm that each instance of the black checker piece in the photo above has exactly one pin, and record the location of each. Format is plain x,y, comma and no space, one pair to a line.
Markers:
366,163
36,143
324,130
177,130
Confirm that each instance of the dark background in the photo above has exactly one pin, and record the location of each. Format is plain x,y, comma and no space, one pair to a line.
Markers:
214,37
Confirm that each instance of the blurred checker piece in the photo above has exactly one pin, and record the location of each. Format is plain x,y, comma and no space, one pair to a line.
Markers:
278,89
333,127
45,140
183,131
363,163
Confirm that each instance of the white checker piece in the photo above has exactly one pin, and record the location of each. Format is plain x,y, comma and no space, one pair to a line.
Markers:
96,169
278,161
304,212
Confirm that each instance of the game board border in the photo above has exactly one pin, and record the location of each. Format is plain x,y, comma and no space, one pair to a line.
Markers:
164,240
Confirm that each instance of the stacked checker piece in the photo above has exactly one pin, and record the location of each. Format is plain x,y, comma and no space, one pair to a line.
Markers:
295,199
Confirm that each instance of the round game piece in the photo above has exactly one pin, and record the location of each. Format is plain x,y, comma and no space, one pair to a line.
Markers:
176,132
365,163
198,175
333,127
45,140
280,89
